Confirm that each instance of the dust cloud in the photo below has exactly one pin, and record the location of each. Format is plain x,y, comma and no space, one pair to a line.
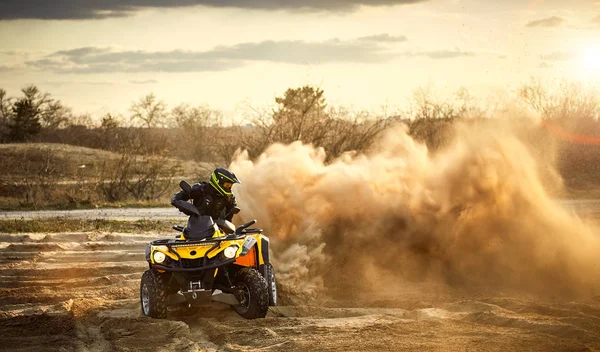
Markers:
473,215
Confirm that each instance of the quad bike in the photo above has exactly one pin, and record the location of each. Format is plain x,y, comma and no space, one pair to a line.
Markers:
210,261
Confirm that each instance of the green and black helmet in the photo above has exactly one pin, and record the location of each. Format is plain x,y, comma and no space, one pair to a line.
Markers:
222,180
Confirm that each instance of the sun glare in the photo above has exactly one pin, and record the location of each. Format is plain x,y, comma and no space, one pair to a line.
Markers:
591,59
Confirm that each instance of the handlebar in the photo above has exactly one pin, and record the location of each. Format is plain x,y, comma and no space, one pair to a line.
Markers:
244,226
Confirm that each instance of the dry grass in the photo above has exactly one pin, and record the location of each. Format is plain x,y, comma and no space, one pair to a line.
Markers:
70,158
84,225
60,176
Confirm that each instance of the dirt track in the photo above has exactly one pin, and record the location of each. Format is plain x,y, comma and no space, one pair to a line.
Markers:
581,206
79,292
102,213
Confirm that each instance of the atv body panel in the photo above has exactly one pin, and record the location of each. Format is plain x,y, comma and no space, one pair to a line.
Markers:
225,268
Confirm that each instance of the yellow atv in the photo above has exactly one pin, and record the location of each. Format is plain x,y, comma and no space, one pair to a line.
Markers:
210,261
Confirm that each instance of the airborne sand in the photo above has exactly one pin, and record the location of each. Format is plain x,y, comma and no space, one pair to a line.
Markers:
473,215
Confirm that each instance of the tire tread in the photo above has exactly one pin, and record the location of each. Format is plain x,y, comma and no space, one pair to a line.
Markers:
158,291
259,293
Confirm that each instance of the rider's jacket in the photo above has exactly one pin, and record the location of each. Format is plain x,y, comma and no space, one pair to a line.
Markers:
207,200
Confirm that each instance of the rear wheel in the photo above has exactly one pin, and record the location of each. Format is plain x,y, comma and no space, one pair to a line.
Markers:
272,285
252,292
153,294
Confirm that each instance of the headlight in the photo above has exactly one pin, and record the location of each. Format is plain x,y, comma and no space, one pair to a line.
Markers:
159,257
230,251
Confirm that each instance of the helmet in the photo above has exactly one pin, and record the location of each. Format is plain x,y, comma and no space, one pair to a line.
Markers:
222,180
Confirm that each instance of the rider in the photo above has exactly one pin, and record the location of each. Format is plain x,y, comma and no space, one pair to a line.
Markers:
211,198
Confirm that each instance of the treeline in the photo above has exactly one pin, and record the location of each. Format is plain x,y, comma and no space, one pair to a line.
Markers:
149,147
191,133
152,141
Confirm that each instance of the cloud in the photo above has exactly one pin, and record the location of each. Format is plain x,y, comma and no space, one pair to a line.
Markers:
559,56
383,38
445,54
96,9
376,48
11,53
553,21
450,54
148,81
73,83
379,48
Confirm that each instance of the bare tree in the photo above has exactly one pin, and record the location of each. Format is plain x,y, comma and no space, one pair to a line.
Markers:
5,113
55,115
144,177
568,100
431,119
150,111
352,131
5,105
201,127
84,120
425,106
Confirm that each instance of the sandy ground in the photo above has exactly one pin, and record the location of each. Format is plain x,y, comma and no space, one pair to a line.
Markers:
79,292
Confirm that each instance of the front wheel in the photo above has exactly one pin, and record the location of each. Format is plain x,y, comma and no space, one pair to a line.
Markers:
153,294
252,292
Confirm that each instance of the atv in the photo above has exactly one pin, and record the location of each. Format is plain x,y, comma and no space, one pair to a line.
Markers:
209,262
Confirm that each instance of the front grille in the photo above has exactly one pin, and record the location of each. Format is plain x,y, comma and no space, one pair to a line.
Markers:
191,263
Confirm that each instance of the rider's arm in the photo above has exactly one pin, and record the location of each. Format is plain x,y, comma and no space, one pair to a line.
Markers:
232,203
183,196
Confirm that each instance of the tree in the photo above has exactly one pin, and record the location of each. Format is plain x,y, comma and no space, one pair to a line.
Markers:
52,113
149,111
55,115
25,120
201,124
109,122
5,106
5,113
300,114
432,119
566,101
36,97
83,120
187,117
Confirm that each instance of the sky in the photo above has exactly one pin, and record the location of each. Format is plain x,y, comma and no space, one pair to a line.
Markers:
99,56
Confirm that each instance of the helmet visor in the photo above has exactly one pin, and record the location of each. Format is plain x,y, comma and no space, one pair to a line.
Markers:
227,186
